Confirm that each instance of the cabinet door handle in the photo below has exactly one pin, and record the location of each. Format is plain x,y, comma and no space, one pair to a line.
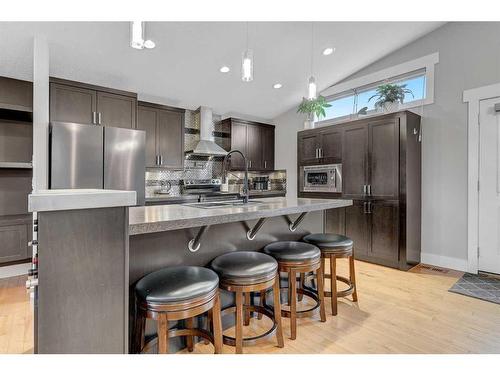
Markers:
161,159
317,153
369,190
364,189
94,115
365,209
265,164
320,152
369,207
99,118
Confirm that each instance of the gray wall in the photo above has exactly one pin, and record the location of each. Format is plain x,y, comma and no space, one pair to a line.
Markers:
469,57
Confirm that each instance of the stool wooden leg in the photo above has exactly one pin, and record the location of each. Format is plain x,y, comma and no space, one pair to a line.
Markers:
321,291
162,334
277,311
239,323
263,301
139,328
247,310
293,304
333,283
302,284
209,325
352,277
217,323
189,339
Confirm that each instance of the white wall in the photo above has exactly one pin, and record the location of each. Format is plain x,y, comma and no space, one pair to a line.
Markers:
469,56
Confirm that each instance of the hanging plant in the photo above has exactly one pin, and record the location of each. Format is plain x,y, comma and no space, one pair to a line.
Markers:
390,93
314,107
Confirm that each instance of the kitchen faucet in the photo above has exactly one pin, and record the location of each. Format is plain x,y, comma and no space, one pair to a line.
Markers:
245,180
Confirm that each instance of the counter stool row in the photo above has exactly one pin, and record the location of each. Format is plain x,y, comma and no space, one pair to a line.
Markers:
185,292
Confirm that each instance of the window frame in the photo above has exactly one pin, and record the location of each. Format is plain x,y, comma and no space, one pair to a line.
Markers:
395,73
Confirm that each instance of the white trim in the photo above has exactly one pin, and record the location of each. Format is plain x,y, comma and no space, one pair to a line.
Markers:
426,62
14,270
473,98
445,262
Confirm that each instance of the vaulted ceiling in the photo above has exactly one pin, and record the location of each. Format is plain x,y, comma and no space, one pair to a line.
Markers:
183,69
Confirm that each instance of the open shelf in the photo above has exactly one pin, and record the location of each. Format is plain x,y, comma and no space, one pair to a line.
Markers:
16,165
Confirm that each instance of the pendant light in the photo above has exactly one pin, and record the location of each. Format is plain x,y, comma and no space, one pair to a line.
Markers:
311,86
137,40
247,62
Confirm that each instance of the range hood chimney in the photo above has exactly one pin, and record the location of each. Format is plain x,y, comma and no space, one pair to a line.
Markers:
206,146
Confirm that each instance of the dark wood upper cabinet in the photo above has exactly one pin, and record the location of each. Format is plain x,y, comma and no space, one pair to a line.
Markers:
254,147
147,119
256,141
268,138
171,139
383,159
164,128
354,161
88,104
331,145
116,110
238,142
72,104
308,145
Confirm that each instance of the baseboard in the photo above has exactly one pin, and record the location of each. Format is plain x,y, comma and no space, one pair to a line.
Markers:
444,261
14,270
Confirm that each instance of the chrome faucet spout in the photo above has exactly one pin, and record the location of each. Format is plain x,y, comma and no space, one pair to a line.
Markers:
246,190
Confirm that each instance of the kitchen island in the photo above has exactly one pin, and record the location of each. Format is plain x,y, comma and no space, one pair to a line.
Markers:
91,258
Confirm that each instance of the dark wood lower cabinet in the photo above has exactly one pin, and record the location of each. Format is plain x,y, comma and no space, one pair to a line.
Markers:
374,226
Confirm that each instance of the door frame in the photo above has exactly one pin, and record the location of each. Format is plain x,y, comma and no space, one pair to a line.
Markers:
473,97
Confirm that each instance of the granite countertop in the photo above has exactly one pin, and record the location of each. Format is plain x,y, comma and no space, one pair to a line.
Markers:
151,219
76,199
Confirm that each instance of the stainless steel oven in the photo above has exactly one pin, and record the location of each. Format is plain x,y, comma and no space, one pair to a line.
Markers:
321,178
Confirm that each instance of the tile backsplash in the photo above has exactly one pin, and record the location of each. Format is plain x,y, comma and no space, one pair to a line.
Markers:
196,167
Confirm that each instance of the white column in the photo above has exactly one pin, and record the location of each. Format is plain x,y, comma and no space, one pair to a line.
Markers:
40,113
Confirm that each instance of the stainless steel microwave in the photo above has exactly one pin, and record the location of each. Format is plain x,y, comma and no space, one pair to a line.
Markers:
321,178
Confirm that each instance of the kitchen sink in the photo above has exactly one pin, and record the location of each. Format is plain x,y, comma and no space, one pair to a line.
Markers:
207,205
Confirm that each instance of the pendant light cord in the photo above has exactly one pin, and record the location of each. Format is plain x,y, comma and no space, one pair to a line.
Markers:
312,48
247,35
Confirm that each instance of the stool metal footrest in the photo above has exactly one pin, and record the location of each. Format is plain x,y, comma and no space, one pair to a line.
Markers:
308,292
228,340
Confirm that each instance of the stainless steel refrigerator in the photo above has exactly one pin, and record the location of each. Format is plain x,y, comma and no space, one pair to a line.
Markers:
97,157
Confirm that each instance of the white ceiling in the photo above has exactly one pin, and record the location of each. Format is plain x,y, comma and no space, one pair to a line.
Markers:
183,69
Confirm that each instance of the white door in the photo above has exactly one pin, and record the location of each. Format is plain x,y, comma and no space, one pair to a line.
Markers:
489,187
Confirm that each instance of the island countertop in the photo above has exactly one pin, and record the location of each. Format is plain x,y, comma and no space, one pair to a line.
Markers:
151,219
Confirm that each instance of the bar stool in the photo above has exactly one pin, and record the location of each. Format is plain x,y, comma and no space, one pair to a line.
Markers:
298,258
176,293
334,246
243,272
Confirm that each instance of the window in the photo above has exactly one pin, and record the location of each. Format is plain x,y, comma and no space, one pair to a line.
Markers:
345,104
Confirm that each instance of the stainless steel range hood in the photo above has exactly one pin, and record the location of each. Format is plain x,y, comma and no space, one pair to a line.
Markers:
207,146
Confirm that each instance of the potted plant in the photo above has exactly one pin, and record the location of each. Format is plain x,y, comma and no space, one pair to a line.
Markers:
390,95
313,108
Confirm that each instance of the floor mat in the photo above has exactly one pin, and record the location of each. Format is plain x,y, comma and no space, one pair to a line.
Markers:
482,287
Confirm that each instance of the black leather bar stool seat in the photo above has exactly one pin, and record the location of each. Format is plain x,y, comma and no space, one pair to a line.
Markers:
334,246
298,258
245,267
176,284
244,272
178,293
330,242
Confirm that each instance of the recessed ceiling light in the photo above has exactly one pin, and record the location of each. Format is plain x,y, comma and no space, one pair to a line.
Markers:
328,51
149,44
277,85
224,69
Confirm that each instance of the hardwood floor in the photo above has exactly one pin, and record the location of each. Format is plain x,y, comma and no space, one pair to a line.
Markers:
16,316
398,312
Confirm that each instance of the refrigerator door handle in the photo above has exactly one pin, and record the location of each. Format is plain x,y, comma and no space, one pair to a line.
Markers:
99,118
94,120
